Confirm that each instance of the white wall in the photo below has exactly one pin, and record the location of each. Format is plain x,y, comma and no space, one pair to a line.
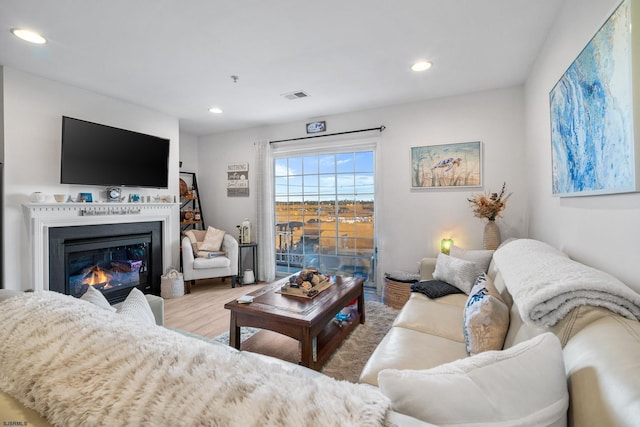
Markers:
410,223
188,152
602,231
33,110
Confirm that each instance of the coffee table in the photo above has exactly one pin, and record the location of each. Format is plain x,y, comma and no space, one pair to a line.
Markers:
304,319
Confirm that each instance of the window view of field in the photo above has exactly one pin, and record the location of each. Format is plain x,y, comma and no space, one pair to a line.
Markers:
324,207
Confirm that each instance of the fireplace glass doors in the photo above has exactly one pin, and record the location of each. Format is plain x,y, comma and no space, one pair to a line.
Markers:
107,266
113,258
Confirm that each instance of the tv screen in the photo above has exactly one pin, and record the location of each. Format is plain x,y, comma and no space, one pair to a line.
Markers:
95,154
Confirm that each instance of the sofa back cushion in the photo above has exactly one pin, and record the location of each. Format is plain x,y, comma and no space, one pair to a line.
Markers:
482,257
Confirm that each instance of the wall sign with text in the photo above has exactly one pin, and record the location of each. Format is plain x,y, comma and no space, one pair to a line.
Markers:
238,180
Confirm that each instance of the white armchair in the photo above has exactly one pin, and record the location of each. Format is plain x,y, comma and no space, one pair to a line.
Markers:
194,268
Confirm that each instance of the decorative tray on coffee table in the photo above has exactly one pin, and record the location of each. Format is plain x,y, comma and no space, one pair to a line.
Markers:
306,284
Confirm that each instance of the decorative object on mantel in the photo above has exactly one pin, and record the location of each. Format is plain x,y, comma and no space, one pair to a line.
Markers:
490,206
37,197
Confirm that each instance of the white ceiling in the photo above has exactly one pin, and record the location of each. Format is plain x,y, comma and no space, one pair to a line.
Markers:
178,56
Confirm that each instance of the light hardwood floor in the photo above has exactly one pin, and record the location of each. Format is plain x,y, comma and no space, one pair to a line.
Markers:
202,312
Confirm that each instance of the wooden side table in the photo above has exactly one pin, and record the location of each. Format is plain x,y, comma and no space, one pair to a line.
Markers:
397,290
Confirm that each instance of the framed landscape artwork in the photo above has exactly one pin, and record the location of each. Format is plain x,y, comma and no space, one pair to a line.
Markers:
447,165
594,116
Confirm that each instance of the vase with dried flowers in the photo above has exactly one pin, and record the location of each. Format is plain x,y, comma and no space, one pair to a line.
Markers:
490,206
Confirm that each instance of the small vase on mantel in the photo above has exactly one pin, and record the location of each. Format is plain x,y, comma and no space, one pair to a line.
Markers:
491,238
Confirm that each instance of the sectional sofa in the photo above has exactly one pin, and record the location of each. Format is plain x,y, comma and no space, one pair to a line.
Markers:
571,353
569,357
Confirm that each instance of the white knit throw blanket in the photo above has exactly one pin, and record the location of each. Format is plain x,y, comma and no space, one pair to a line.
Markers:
546,285
80,365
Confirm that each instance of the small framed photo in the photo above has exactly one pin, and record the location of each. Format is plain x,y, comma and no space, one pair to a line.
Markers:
134,198
316,127
85,198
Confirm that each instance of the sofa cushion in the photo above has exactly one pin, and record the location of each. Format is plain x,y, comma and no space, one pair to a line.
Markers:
97,298
404,348
457,272
434,288
486,318
524,385
431,317
459,300
217,262
482,257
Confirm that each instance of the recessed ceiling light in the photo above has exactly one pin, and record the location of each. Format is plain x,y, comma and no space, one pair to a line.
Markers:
215,110
28,35
421,66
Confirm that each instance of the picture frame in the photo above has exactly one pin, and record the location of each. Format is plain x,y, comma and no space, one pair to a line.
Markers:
85,197
317,127
456,165
595,113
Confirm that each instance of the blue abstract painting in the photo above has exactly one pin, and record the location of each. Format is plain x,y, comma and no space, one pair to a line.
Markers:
592,139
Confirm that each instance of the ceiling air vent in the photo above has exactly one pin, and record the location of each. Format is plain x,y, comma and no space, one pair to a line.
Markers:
295,95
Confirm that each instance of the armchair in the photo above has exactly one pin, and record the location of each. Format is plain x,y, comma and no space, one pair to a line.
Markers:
194,267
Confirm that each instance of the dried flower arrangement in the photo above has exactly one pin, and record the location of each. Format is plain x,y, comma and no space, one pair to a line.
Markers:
489,205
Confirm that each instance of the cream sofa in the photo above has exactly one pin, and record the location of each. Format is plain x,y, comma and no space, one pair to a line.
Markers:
600,349
12,412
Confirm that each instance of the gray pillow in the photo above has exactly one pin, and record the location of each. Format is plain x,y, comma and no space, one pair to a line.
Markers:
457,272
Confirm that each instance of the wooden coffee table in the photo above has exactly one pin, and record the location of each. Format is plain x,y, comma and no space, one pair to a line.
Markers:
304,319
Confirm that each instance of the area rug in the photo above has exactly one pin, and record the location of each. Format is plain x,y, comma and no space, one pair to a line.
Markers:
349,359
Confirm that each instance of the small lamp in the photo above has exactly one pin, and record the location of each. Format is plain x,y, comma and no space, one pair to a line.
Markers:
445,245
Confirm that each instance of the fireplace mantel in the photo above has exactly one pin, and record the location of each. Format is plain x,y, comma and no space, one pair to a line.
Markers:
42,216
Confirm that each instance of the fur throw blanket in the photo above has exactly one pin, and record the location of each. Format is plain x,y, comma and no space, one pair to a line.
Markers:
546,284
77,364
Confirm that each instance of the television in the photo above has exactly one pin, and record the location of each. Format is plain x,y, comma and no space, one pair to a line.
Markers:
96,154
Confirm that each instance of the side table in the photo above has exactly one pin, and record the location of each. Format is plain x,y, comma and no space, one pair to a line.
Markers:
397,288
254,251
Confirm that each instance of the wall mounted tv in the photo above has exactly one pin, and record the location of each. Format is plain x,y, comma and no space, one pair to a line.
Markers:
95,154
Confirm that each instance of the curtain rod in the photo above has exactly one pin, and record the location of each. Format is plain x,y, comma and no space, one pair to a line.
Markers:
381,128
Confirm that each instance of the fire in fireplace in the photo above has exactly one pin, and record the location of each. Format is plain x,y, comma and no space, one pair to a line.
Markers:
114,266
111,258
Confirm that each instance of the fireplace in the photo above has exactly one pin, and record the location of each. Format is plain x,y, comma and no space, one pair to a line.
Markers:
113,258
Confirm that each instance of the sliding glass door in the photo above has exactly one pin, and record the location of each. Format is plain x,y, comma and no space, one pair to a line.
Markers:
324,213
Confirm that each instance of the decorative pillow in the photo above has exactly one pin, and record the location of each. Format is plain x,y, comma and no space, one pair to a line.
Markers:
482,257
434,288
136,307
523,385
485,319
457,272
96,297
212,240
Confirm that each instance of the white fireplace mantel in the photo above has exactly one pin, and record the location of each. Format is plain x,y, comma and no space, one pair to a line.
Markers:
42,216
